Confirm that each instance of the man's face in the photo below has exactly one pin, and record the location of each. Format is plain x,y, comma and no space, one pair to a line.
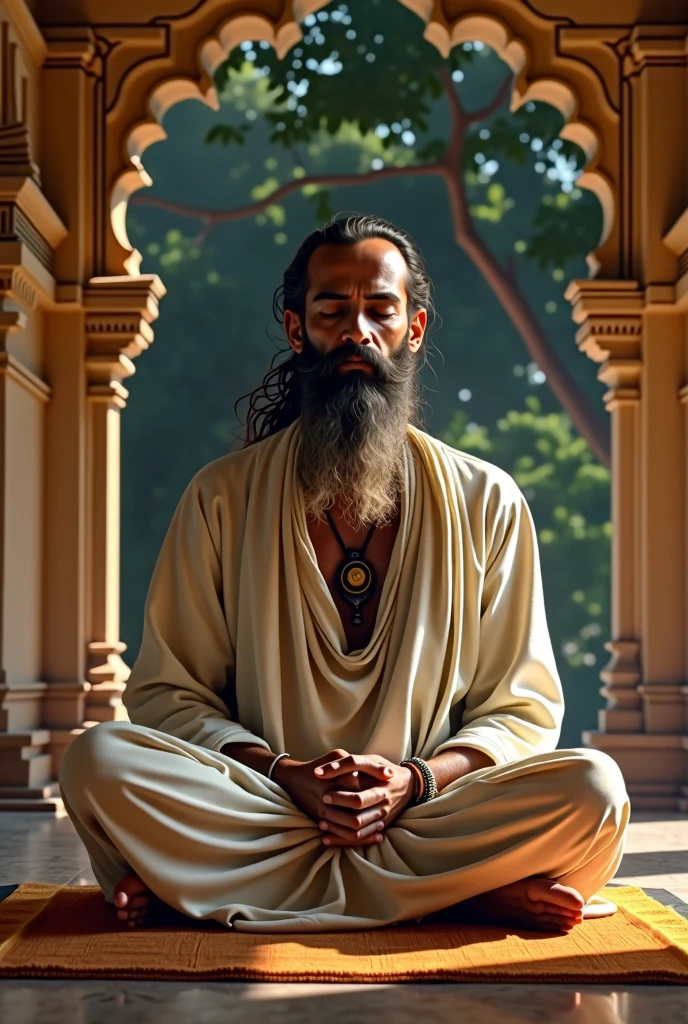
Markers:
358,377
356,298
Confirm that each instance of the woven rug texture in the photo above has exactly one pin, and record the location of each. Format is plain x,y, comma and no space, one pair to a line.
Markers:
62,932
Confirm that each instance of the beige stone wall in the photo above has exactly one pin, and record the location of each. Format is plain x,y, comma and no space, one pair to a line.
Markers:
29,231
84,87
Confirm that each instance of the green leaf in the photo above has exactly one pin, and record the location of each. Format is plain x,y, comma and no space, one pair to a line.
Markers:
321,201
227,133
432,151
563,231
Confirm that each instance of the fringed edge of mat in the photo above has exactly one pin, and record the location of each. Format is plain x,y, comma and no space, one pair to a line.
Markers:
661,922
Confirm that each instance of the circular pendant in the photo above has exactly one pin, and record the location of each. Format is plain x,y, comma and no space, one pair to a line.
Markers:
356,578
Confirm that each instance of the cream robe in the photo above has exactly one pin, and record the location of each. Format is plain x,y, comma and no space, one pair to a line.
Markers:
239,617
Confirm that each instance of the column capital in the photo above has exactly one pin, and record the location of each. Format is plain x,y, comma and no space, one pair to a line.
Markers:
610,317
119,312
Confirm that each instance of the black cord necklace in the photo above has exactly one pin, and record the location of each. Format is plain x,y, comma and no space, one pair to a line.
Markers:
355,576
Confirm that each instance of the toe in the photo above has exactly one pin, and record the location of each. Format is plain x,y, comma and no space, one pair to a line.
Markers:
544,908
554,923
128,887
549,891
139,902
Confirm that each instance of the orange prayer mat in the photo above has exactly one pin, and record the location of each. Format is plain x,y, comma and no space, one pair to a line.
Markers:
60,932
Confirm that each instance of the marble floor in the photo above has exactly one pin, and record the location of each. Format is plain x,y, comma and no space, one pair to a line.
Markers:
39,847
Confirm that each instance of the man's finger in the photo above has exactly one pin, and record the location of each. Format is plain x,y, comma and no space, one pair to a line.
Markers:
354,801
344,832
355,821
352,781
352,763
373,840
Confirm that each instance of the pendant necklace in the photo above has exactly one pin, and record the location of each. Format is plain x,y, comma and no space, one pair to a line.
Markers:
355,577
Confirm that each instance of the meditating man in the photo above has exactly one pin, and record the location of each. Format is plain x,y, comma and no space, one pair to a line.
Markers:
345,708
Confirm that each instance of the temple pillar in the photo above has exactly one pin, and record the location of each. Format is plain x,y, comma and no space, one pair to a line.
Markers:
119,311
609,314
636,328
31,232
67,340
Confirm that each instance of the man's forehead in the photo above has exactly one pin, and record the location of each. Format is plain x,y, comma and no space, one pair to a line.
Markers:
375,263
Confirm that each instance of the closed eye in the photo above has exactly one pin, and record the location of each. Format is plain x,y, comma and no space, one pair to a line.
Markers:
380,316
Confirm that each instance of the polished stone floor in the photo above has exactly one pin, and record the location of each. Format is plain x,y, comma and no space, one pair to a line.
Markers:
41,848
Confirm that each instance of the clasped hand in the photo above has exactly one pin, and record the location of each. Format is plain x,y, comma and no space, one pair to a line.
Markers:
351,797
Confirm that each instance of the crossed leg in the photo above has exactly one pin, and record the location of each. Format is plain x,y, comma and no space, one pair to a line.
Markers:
156,814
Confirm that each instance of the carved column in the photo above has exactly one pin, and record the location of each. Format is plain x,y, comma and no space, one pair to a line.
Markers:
119,311
642,726
609,314
636,327
89,331
30,233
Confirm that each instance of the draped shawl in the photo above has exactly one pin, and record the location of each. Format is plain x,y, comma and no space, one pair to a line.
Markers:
242,641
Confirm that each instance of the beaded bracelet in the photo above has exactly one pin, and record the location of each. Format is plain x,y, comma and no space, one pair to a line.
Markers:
430,791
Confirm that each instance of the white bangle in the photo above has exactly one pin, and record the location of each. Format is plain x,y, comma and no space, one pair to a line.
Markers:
279,756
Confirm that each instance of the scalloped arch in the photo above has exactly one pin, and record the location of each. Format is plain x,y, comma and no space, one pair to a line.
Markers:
488,28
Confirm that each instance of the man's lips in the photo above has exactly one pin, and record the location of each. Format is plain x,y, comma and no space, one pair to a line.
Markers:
354,361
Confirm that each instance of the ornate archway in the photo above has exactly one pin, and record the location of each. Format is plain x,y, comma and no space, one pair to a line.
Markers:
101,75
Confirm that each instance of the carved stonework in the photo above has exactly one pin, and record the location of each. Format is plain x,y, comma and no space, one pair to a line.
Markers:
15,152
16,287
107,674
653,45
621,677
610,317
119,312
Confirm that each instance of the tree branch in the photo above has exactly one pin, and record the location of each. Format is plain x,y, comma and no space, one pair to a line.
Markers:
583,414
502,280
495,103
213,217
452,155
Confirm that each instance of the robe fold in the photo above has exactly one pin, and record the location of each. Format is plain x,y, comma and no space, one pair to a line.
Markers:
242,642
460,652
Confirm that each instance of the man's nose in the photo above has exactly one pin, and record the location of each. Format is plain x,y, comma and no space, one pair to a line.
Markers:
358,331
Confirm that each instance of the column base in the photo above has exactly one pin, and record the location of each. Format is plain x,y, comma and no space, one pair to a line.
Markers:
46,799
654,766
30,766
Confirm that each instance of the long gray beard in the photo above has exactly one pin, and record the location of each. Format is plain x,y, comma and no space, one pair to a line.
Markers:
353,432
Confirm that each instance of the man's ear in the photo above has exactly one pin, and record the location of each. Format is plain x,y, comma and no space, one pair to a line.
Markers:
293,330
417,327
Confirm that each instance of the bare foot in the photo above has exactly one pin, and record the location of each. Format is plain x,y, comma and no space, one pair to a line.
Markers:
536,904
134,901
138,907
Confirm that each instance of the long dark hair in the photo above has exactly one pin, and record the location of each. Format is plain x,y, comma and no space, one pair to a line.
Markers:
276,403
